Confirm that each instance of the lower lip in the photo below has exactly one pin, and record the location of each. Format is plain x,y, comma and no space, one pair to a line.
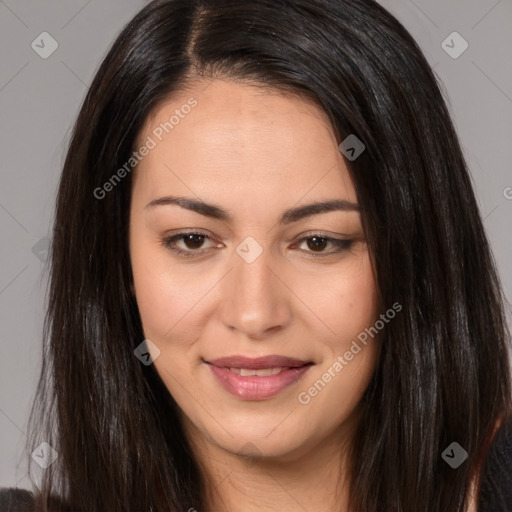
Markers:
254,387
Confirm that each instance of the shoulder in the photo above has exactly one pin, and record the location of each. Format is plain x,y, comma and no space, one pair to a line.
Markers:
21,500
496,480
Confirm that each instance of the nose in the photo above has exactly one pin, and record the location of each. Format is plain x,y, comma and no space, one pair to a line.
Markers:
255,302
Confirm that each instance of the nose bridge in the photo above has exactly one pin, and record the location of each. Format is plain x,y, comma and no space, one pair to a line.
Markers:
254,299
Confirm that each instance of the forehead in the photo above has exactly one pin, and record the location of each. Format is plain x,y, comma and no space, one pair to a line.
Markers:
222,139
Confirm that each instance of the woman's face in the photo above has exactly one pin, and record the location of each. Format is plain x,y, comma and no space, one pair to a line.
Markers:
264,277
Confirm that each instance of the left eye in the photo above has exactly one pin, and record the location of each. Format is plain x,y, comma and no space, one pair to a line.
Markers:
317,243
193,242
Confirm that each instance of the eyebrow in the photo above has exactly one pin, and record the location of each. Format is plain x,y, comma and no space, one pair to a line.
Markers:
289,216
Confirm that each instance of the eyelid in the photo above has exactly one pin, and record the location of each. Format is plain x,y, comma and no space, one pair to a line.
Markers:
168,240
342,244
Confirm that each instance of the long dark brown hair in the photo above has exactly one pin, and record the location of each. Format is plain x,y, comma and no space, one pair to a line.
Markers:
443,374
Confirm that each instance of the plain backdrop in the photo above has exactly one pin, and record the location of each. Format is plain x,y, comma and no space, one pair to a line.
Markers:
40,98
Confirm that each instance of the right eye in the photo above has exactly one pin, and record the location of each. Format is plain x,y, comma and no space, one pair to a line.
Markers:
192,240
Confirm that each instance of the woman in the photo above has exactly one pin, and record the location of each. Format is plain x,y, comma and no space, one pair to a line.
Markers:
271,288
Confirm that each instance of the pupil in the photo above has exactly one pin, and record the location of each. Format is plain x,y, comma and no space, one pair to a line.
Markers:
194,240
313,245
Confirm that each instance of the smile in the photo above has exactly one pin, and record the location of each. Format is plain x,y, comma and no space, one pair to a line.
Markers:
257,379
246,372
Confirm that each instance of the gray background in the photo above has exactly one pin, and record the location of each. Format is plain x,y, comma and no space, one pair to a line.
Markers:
39,100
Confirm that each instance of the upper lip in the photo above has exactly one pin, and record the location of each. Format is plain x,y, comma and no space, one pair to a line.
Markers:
258,363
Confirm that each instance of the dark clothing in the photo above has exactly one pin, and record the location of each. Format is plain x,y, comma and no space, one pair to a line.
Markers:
496,486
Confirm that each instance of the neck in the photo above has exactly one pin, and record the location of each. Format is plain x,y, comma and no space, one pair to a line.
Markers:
313,477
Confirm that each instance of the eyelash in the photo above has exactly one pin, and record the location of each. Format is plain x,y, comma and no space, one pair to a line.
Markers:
168,242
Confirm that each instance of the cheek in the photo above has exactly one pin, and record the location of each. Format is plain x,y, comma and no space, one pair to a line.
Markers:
348,307
345,300
151,290
164,295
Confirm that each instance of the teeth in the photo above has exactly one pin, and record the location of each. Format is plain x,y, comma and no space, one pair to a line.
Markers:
264,372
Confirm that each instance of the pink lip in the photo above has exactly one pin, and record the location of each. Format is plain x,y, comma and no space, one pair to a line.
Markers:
254,387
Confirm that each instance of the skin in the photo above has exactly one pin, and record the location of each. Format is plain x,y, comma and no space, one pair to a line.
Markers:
255,152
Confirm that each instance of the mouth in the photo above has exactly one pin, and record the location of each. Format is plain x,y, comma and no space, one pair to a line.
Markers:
257,378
